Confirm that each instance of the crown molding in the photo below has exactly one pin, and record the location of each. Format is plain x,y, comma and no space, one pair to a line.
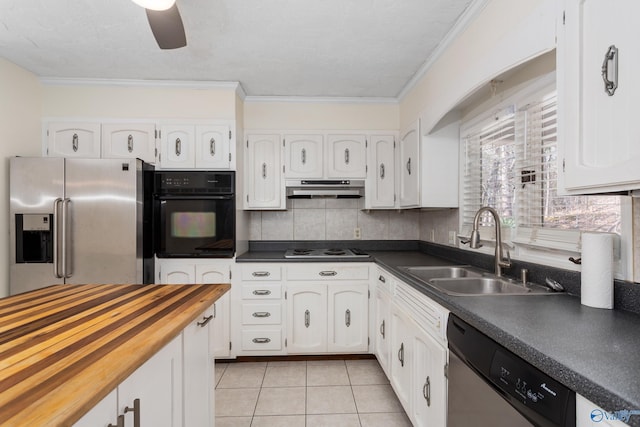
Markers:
469,14
323,99
182,84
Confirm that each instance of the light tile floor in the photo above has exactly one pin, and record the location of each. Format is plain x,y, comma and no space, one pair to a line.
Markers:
319,393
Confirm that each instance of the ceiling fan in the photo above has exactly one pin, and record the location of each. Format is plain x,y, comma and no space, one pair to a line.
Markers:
165,22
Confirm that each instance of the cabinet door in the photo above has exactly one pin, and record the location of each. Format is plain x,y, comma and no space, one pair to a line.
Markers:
177,147
409,167
401,356
348,327
158,386
383,329
129,140
264,173
429,400
381,192
104,413
303,156
176,273
199,381
73,140
212,147
598,141
346,156
307,318
220,326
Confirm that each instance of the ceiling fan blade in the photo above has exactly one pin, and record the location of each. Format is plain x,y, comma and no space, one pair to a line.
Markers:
167,27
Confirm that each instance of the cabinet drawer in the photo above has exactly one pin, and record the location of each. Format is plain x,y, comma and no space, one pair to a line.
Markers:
428,314
384,282
261,314
262,291
347,271
261,272
255,339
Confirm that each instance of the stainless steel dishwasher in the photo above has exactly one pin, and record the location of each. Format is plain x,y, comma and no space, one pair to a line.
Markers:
490,386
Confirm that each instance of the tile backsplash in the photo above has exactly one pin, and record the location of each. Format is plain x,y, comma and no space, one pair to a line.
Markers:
337,219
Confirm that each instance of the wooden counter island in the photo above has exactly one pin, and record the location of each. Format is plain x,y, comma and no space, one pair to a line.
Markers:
66,347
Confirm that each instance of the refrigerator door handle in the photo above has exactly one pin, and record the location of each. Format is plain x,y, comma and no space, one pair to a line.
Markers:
57,239
67,270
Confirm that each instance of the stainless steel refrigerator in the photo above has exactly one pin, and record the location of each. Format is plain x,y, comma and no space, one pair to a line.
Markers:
79,221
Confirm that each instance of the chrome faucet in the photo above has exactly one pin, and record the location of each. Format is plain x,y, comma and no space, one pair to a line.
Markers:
474,243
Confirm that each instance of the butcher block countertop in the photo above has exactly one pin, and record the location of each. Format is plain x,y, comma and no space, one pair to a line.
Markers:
65,347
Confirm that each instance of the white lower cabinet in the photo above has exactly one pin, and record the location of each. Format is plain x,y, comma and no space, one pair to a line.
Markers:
401,357
190,271
150,396
382,323
429,386
307,318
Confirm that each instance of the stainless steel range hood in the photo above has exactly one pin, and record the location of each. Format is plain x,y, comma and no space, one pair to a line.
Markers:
337,188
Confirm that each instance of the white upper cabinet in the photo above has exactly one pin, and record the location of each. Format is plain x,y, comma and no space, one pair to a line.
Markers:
439,166
127,140
264,186
177,147
213,145
380,186
346,156
73,139
598,89
303,156
409,166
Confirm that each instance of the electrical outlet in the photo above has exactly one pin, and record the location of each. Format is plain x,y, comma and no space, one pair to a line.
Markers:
356,233
432,235
452,237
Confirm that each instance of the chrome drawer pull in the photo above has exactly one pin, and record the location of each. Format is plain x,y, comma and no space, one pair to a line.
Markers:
401,355
381,170
178,147
261,340
262,292
307,318
346,156
382,279
74,142
204,322
261,314
130,143
382,329
347,318
328,273
426,391
212,147
610,58
261,274
136,412
304,156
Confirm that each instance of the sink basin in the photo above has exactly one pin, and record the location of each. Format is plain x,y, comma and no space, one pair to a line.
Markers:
464,280
487,286
429,273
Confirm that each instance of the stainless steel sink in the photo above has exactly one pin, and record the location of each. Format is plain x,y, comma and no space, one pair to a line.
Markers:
463,280
429,273
487,286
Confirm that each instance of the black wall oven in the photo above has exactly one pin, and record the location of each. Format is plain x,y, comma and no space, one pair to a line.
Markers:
194,214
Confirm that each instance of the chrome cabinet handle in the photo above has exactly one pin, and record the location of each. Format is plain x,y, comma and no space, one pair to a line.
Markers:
178,146
212,147
382,329
401,354
346,156
119,423
409,166
426,391
136,412
347,318
303,155
264,171
57,238
328,273
382,279
261,314
381,170
307,318
75,142
261,340
130,143
261,274
262,292
205,320
610,67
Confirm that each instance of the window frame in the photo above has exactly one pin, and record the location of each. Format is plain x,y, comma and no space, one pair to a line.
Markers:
546,246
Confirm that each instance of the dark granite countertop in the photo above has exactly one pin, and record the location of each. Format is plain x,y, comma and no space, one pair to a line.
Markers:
594,352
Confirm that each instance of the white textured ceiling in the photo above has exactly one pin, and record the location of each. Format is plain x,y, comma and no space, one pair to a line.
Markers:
344,48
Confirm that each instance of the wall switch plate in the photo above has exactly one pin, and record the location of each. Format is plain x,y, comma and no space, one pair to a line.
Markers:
452,237
356,233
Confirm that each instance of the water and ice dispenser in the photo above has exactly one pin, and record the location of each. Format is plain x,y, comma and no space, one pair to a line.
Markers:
34,238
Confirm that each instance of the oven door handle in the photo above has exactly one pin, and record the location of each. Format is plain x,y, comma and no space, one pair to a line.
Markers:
219,197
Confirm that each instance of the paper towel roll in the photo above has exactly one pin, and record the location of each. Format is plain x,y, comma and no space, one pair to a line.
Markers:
597,270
